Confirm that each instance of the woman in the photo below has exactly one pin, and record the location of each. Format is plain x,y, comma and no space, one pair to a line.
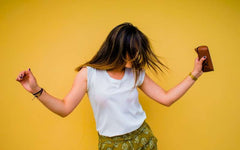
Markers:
111,79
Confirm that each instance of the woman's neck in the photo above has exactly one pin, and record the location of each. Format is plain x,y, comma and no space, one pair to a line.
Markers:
116,73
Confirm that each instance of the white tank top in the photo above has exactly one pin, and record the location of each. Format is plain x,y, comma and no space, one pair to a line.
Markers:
115,103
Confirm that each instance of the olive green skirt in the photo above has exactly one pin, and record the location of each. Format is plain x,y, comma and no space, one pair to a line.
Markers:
140,139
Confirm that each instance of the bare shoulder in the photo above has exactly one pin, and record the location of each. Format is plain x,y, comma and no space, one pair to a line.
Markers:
81,75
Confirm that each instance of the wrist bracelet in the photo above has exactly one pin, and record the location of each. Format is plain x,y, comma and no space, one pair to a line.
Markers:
37,94
192,76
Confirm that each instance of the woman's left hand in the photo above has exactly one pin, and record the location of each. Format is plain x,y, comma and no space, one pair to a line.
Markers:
197,70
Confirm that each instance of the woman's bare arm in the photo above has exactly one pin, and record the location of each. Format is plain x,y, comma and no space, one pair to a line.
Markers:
167,98
58,106
154,91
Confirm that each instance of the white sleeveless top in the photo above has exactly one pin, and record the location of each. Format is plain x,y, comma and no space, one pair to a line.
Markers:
115,103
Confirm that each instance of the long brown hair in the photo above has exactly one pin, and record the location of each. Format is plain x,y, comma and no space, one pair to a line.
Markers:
125,39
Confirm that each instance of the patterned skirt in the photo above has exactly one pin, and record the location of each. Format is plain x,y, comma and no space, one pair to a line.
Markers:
140,139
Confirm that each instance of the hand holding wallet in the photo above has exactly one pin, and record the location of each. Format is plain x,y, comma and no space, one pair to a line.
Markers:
207,64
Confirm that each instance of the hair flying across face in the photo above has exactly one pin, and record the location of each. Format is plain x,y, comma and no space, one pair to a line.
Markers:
125,39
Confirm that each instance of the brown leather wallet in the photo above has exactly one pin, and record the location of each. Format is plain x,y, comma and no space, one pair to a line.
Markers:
207,64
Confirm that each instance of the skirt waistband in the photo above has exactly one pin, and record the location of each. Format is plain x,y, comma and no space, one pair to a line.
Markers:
126,136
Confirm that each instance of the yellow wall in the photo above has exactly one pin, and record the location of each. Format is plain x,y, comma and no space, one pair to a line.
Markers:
54,37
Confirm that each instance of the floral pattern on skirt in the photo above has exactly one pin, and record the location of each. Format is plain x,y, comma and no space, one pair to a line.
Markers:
140,139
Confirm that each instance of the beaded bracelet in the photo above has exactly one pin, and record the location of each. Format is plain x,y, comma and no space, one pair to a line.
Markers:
38,93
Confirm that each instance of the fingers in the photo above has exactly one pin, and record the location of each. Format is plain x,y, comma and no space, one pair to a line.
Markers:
203,58
198,64
21,75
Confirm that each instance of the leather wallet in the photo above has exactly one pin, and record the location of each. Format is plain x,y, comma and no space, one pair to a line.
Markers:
207,64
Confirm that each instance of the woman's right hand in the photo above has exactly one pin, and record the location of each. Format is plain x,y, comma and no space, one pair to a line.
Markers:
28,81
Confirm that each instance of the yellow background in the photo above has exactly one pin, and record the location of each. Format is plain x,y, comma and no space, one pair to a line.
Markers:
54,37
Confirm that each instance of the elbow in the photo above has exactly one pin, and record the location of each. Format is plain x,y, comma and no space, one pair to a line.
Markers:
168,100
164,102
168,104
64,114
65,111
